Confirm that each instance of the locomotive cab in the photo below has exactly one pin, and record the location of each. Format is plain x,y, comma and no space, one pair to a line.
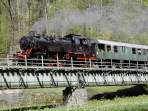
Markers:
77,39
82,48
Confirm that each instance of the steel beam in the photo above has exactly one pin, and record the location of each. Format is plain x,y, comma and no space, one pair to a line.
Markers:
10,78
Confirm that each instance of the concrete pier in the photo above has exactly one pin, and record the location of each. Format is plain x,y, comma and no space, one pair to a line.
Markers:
75,96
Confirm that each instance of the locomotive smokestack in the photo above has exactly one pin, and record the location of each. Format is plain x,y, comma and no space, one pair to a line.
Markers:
32,33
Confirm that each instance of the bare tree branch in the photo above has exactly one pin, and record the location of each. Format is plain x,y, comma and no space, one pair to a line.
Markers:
8,7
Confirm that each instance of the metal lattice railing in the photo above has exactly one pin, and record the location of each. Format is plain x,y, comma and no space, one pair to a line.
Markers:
69,64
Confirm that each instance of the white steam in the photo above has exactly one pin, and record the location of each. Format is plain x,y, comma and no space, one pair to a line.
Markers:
118,17
40,25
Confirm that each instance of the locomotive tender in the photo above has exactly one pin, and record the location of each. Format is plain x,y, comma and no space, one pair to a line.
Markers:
81,49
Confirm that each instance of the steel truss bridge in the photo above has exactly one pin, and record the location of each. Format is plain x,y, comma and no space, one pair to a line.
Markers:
35,73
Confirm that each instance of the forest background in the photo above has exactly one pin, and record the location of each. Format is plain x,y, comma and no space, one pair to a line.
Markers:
117,20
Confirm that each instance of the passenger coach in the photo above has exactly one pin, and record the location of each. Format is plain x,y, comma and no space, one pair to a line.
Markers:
117,52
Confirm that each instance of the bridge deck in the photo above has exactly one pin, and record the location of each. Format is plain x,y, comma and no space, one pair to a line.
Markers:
59,73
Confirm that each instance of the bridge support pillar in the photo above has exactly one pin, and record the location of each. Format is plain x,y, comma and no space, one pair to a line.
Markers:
73,96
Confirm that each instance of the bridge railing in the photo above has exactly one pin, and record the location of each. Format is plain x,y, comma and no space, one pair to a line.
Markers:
69,64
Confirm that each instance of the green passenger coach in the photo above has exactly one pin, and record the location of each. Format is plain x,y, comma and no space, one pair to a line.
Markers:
110,51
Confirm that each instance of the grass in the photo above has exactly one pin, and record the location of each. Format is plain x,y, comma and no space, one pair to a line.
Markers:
35,97
53,96
139,103
101,89
121,104
45,90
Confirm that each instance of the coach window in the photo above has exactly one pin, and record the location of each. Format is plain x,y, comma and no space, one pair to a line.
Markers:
144,51
123,49
139,51
101,47
115,49
133,51
108,47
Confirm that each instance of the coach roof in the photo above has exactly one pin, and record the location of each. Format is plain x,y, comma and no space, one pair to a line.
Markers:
112,43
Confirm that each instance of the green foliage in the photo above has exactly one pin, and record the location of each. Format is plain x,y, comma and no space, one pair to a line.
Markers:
139,103
52,96
67,6
145,2
25,15
3,33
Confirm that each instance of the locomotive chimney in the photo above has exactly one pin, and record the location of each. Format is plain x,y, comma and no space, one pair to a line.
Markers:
31,33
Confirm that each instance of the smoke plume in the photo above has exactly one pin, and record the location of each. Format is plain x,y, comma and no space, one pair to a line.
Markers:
40,25
119,17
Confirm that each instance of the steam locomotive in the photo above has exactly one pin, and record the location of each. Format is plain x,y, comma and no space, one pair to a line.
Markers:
81,49
49,47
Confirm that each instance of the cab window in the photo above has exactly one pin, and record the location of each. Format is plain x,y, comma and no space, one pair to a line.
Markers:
77,41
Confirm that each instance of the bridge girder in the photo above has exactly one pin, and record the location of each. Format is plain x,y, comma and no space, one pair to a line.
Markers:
33,78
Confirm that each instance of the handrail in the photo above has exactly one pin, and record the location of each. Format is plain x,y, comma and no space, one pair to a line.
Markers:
70,64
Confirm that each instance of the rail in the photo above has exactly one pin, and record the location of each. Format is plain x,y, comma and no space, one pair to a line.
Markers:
69,64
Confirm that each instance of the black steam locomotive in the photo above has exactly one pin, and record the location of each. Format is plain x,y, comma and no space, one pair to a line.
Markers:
49,47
